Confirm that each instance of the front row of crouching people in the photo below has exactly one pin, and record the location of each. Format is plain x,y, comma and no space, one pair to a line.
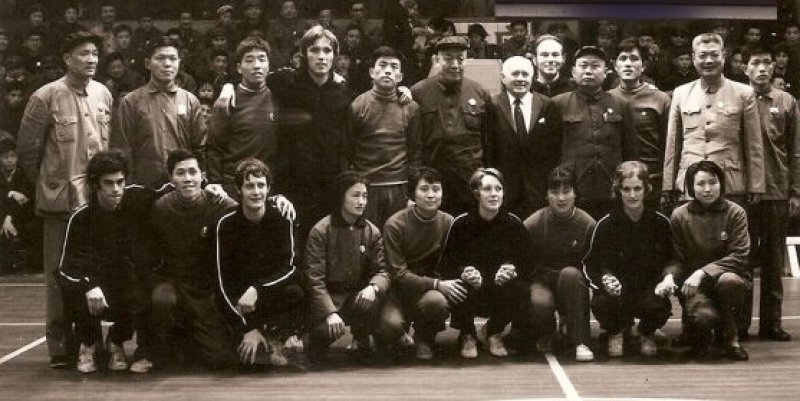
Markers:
197,275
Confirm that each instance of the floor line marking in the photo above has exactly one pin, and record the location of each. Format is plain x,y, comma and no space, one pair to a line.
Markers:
21,284
22,350
563,380
21,324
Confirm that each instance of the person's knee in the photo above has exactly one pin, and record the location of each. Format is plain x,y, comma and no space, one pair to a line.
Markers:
571,275
542,304
731,285
294,293
705,317
433,306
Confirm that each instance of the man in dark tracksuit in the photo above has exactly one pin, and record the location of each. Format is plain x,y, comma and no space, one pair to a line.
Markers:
255,256
454,118
105,250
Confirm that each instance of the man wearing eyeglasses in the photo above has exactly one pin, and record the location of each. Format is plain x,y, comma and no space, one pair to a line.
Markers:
596,131
454,118
157,118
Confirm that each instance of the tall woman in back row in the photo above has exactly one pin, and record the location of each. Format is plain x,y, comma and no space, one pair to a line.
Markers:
711,243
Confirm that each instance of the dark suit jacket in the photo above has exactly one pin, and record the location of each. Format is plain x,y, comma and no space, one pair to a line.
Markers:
524,160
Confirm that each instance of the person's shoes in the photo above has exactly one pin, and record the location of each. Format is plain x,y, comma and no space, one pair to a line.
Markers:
141,366
615,345
736,353
86,362
469,347
424,351
545,344
496,345
648,345
405,341
583,353
116,357
775,334
294,344
60,362
743,335
276,356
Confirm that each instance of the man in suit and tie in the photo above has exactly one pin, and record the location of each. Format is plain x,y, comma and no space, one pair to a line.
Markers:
518,143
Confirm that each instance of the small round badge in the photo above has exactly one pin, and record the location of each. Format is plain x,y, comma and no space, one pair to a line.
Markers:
472,102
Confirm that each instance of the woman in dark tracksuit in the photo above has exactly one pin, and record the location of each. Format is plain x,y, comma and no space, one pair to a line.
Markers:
629,253
711,243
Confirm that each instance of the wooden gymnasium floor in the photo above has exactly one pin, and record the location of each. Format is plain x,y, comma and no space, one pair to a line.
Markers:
773,372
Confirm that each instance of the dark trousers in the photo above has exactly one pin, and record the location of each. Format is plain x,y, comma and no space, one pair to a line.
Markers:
180,305
279,310
714,307
616,313
567,292
124,305
428,311
501,305
384,201
362,322
768,225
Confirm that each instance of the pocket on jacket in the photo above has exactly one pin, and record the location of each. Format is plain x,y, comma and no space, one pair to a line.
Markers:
734,177
691,119
65,128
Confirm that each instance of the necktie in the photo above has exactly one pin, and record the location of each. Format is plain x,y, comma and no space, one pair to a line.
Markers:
519,120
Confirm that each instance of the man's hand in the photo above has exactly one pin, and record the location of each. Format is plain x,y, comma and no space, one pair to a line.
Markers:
794,206
96,301
8,230
248,348
335,326
227,93
18,197
338,78
754,199
285,207
612,284
472,276
366,298
247,302
405,95
217,193
666,287
453,291
692,283
505,273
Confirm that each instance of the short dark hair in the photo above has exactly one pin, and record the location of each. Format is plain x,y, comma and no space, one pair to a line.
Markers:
750,51
121,28
707,166
385,51
106,162
114,56
251,167
514,23
250,44
418,174
342,183
157,43
561,177
178,155
628,46
76,39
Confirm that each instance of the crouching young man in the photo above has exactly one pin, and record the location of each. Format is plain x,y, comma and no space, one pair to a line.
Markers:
102,255
255,257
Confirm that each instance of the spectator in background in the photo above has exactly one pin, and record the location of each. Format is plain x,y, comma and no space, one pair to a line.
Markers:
123,45
53,135
783,69
549,59
5,44
285,34
253,20
12,106
190,37
752,37
325,20
478,46
33,50
104,29
35,22
20,234
734,68
66,25
681,71
119,78
225,26
399,34
519,43
358,73
147,32
372,30
561,31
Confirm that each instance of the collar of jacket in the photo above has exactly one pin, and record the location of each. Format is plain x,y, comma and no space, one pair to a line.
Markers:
270,214
696,208
153,88
712,88
595,96
338,221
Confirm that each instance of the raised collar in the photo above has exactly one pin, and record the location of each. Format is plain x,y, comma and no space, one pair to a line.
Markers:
153,88
712,88
595,96
338,221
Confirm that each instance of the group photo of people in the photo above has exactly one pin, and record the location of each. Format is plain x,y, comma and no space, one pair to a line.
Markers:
303,173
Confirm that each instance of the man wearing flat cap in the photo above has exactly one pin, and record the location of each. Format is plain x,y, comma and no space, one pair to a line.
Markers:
454,117
596,131
66,122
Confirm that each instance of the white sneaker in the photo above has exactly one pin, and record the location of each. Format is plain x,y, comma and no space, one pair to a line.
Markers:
116,360
276,356
583,353
469,347
615,345
496,345
424,351
648,345
86,362
141,366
